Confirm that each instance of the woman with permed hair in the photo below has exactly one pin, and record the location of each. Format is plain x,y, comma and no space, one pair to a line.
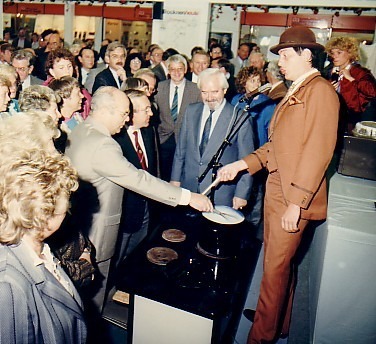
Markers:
39,303
42,98
68,90
61,63
261,107
133,63
11,74
4,93
355,84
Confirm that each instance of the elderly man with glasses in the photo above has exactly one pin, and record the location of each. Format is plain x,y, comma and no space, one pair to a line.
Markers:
23,62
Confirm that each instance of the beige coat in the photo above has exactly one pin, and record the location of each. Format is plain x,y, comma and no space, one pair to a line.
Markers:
100,163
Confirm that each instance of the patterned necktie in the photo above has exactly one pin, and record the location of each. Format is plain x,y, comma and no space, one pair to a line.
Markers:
174,107
140,153
206,133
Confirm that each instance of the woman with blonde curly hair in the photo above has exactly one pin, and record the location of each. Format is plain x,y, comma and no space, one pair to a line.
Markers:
355,84
38,97
60,63
39,303
11,74
35,130
32,129
4,93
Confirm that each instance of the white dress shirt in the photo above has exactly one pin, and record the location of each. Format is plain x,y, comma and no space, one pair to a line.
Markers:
181,87
205,116
131,129
116,76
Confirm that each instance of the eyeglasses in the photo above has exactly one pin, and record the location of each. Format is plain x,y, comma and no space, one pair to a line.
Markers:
147,109
176,70
21,69
125,114
157,55
115,56
136,61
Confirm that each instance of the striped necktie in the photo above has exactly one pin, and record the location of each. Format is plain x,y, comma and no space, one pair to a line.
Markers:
174,107
140,153
206,133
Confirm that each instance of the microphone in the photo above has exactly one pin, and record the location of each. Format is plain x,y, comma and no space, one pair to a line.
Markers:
248,97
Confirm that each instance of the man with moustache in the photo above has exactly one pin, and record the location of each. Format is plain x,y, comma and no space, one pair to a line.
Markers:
204,128
105,173
114,75
302,137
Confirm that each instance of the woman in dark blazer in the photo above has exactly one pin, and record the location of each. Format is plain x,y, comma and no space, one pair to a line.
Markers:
39,303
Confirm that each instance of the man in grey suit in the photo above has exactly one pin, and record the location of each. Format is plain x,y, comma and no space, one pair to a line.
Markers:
241,59
23,62
205,127
105,172
172,98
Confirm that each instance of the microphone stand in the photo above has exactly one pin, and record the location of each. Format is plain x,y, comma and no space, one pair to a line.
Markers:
214,163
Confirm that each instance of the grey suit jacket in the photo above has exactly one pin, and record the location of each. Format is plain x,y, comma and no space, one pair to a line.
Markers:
189,165
100,163
237,65
35,307
159,73
91,77
167,126
35,81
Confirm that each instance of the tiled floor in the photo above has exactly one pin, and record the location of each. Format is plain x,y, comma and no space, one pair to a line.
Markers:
300,326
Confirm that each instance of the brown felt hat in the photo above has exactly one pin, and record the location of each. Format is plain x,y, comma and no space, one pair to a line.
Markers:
297,36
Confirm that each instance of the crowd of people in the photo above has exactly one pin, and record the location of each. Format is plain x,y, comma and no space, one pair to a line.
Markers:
110,134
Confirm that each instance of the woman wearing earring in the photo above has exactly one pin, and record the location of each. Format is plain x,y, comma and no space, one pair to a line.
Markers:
39,303
355,84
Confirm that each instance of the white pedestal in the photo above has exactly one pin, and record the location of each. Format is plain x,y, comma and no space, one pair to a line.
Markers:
343,271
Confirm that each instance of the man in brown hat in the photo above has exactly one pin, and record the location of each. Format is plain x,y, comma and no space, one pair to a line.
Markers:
302,136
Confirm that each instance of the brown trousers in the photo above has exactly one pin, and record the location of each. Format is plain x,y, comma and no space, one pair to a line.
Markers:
273,312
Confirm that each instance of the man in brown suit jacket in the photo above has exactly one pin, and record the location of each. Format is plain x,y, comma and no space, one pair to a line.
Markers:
302,137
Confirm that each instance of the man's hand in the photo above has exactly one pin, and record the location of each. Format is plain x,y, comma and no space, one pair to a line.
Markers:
121,73
290,218
85,255
230,171
238,203
200,202
175,183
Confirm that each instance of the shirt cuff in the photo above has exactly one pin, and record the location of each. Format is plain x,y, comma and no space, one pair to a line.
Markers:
185,197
